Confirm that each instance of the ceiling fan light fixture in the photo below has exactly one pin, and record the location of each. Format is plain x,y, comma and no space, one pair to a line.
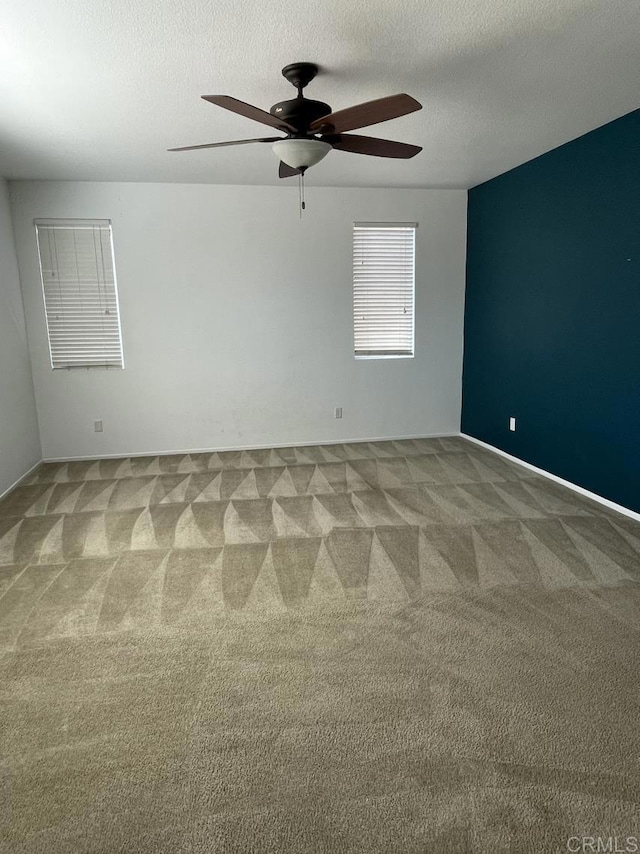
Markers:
300,153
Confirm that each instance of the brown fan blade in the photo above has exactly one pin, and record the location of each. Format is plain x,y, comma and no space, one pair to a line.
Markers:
374,146
222,144
370,113
286,171
249,111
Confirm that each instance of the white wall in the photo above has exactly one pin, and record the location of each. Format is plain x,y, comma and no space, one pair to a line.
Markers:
237,319
19,441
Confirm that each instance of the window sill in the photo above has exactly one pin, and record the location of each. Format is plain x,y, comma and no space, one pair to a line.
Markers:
385,356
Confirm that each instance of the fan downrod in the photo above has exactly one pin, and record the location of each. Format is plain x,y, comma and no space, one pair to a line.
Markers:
300,74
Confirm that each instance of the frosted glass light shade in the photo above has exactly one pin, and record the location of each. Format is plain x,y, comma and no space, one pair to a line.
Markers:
300,153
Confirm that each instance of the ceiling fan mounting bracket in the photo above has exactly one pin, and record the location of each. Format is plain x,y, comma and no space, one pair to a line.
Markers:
300,74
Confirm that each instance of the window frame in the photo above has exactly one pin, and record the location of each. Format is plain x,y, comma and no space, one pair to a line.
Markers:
68,223
362,355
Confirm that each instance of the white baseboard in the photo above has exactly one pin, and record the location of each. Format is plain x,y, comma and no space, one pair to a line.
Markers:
19,480
252,447
579,489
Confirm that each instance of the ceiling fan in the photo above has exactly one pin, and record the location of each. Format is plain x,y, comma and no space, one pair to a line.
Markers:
313,130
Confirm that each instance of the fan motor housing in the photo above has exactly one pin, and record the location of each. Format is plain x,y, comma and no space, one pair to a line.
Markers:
300,112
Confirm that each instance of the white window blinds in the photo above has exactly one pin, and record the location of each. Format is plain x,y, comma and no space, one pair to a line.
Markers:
80,295
383,288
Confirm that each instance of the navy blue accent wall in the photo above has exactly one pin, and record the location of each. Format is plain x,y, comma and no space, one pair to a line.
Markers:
552,316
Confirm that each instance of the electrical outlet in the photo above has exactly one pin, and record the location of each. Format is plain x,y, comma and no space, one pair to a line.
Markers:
97,426
512,424
337,412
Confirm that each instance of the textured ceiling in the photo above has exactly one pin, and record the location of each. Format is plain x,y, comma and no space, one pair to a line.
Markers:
98,89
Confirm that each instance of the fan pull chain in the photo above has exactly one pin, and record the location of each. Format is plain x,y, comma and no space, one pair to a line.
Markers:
301,201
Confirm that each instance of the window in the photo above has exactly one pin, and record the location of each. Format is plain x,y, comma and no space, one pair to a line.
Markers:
383,288
80,295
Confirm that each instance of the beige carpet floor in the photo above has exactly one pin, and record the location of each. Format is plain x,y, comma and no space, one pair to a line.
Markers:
408,646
